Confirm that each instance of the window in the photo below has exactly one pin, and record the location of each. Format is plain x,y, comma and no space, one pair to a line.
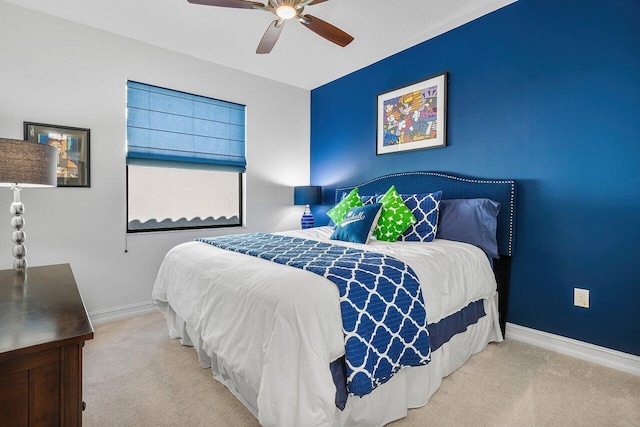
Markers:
185,159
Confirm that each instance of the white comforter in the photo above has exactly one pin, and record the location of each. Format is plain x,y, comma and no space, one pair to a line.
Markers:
279,327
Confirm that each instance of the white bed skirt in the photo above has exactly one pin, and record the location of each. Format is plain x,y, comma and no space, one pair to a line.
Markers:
411,387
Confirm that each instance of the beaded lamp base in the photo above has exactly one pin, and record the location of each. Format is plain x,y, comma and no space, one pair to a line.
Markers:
18,236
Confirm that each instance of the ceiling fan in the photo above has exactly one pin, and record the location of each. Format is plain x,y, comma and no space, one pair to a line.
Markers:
285,10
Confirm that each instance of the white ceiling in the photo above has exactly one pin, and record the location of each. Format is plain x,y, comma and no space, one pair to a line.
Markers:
300,58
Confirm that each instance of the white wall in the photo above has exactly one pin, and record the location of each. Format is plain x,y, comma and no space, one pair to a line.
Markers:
58,72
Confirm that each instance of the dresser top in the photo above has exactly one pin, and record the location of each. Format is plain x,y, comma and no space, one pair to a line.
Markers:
39,307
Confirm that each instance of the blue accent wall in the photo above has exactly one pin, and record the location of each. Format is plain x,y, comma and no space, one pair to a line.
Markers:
544,92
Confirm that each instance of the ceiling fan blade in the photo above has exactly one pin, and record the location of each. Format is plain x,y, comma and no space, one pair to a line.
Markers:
303,3
238,4
326,30
270,36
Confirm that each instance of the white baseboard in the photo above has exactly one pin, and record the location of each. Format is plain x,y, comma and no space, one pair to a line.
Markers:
581,350
112,314
578,349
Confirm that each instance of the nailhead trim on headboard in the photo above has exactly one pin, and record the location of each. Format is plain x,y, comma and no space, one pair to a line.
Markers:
511,183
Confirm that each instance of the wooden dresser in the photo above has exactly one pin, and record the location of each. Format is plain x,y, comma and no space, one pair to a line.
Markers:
43,327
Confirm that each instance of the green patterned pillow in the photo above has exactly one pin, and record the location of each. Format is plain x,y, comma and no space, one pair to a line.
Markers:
395,218
338,212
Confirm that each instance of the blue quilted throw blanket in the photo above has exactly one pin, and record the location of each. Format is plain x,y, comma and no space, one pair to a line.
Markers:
383,313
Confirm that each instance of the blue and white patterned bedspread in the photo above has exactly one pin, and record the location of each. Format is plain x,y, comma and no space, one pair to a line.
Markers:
383,313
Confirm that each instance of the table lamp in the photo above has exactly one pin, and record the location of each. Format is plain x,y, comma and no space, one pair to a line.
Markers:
307,195
25,164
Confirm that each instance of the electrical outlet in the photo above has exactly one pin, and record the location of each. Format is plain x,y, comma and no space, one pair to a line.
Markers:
581,297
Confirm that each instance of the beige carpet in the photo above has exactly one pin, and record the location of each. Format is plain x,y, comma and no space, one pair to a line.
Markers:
134,375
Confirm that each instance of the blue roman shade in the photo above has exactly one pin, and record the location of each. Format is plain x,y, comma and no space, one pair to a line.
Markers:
172,128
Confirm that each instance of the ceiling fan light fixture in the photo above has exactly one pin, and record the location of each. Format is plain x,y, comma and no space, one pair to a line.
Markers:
286,11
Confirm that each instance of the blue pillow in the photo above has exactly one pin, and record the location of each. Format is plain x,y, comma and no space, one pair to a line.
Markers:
358,224
425,208
367,200
473,221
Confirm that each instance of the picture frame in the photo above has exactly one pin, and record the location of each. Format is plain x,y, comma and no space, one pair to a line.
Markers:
73,150
413,117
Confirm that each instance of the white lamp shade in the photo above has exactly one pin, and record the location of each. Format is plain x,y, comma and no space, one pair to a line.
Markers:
27,164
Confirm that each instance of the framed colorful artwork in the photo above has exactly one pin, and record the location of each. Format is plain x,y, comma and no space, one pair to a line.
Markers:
413,117
73,150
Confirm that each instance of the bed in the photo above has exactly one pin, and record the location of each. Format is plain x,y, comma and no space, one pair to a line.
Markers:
273,333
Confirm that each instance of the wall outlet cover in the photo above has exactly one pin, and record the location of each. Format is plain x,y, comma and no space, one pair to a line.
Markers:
581,297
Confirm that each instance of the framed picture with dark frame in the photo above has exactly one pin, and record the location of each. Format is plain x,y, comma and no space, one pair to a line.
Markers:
413,117
73,150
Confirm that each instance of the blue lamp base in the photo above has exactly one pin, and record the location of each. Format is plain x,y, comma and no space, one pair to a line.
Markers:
307,220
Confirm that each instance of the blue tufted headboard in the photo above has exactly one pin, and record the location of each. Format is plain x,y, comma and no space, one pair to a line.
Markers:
453,187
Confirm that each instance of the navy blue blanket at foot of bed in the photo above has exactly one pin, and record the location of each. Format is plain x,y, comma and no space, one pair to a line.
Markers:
439,333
